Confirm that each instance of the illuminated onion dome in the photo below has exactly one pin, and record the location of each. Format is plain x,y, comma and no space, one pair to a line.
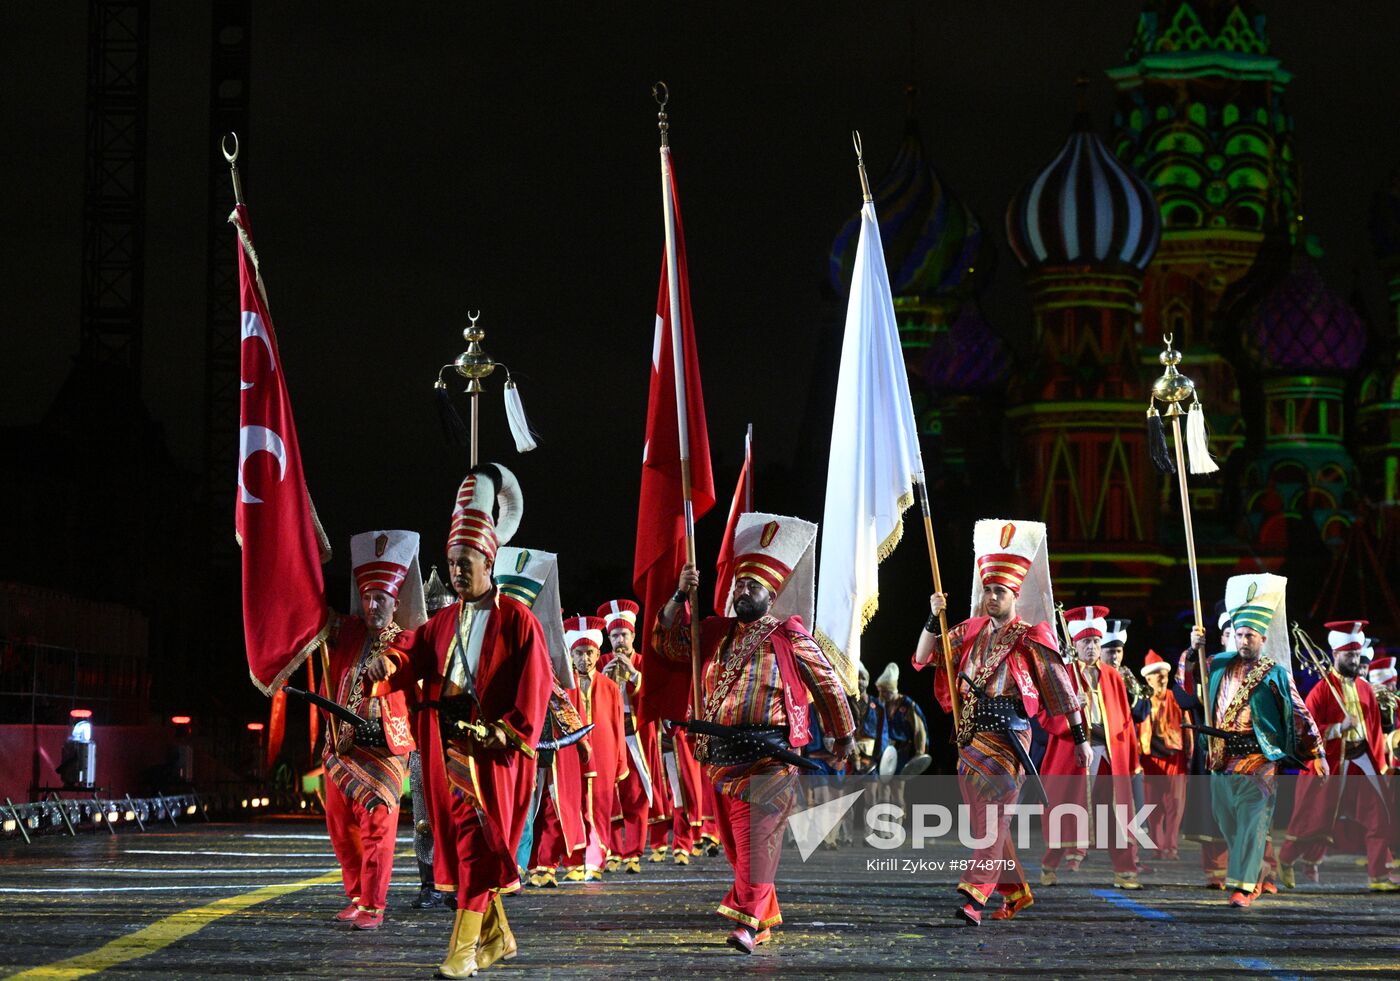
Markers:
1084,208
1384,221
1302,325
931,239
966,359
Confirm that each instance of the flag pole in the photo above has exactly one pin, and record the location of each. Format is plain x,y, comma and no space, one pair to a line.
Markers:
662,95
748,469
923,503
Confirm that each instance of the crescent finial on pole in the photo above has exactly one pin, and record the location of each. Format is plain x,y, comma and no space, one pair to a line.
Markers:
860,165
232,157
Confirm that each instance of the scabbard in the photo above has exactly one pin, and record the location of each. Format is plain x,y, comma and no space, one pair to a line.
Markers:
334,708
1032,774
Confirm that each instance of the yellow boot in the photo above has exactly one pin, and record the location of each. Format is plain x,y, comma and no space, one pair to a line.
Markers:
461,949
497,939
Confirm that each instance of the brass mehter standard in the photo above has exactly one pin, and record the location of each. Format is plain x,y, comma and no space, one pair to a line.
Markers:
1173,390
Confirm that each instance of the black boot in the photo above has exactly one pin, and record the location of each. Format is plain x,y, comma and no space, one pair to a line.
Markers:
428,898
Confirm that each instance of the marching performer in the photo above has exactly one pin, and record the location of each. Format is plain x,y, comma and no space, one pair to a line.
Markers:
364,775
436,595
598,704
1164,748
532,577
1113,744
560,824
636,791
1199,824
1260,721
900,722
1008,670
1348,716
485,668
760,667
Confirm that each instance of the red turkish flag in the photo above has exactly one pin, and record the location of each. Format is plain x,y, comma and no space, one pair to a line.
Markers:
724,566
661,511
284,605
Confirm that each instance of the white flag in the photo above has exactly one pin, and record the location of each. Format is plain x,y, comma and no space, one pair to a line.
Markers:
875,459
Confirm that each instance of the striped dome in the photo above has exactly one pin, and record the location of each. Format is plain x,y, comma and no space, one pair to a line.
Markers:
1085,207
932,241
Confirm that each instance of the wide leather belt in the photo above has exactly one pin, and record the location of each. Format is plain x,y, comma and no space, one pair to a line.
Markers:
1242,744
451,710
737,750
999,713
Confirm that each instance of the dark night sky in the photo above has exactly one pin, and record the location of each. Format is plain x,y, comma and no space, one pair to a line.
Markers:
405,166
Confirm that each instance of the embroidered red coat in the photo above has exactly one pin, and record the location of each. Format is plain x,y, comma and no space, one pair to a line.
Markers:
607,764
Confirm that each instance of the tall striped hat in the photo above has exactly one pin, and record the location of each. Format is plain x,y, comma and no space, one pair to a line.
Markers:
1086,621
1005,551
1254,600
488,510
619,613
532,577
777,552
380,559
584,632
388,561
1346,635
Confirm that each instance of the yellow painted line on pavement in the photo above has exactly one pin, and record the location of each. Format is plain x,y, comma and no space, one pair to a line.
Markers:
163,933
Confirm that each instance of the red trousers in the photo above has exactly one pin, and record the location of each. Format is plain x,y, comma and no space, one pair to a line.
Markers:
550,848
1164,786
1107,790
657,830
994,866
1315,812
483,862
629,833
364,846
753,843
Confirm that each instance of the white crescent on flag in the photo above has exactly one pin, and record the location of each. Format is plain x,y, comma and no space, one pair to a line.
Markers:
259,439
253,327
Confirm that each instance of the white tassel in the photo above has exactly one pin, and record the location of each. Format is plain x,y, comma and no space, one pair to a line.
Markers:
519,424
1197,443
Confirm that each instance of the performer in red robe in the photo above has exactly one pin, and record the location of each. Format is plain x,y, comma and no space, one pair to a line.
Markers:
364,781
486,673
561,830
599,704
635,792
1011,667
1164,749
1108,778
687,794
760,666
1348,718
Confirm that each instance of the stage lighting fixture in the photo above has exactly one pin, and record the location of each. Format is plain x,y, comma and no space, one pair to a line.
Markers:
78,765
